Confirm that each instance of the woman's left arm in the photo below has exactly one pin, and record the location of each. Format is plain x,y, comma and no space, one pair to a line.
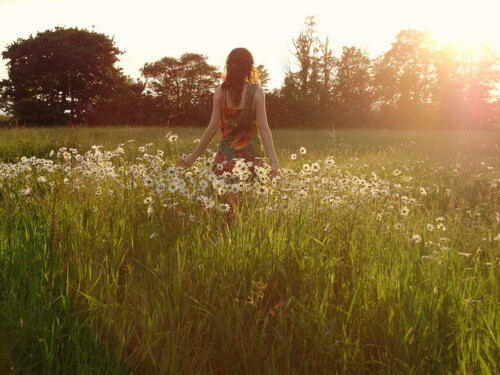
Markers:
209,133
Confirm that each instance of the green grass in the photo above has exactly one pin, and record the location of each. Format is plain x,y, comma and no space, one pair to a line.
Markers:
92,283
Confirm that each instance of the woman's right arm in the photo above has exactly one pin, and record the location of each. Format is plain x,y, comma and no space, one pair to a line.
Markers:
209,133
265,132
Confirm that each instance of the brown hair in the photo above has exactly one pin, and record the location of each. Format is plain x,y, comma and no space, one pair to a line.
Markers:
239,68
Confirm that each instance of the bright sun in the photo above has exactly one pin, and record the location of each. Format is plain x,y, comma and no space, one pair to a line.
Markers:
467,35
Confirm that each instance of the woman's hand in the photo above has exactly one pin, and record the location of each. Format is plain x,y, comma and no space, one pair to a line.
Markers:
185,162
274,170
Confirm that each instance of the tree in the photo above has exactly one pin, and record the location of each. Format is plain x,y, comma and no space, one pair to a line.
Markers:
405,80
126,104
264,77
327,64
352,87
58,75
467,78
306,47
307,92
183,85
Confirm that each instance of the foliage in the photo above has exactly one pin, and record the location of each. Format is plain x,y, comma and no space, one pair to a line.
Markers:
306,92
374,252
58,75
467,79
182,86
126,104
68,75
264,76
353,88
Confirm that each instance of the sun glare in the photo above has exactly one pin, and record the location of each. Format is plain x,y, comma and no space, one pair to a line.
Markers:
470,35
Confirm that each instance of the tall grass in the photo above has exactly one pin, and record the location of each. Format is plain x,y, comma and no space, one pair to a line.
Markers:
94,283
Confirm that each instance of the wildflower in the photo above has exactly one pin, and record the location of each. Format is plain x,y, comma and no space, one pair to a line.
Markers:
263,189
302,193
398,226
25,191
41,179
306,167
430,227
396,172
423,192
208,163
416,238
173,187
148,200
153,235
441,218
203,184
148,181
293,156
329,160
160,187
142,149
223,207
98,191
208,202
150,210
235,188
404,211
302,150
441,226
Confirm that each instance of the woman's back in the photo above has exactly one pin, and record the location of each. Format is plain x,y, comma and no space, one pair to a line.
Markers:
229,103
241,119
239,131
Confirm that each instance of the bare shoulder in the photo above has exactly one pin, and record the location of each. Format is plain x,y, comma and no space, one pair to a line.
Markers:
218,94
259,94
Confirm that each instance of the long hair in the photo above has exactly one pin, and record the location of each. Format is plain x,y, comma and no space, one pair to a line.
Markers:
238,70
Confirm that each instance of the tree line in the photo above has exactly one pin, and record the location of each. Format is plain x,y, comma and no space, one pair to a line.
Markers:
68,76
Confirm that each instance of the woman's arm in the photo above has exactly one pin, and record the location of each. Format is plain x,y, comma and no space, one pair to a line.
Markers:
209,133
265,132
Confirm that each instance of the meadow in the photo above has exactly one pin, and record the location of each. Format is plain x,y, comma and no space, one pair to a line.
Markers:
373,252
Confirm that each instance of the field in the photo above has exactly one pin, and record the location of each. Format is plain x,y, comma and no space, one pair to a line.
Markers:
373,252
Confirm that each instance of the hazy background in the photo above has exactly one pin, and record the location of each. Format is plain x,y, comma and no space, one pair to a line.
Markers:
148,30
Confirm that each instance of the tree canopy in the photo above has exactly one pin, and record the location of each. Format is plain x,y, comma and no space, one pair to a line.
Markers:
58,75
182,86
68,75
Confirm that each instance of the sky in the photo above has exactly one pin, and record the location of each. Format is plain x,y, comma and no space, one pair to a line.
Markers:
148,30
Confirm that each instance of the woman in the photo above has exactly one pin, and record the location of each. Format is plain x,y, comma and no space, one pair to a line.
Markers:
239,109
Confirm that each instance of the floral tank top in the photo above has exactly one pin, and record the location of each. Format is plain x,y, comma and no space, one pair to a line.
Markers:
239,134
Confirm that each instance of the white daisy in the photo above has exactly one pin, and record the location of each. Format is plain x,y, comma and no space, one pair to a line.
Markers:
224,207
